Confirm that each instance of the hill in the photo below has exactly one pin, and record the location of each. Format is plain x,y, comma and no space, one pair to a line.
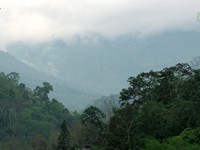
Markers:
95,64
28,118
71,98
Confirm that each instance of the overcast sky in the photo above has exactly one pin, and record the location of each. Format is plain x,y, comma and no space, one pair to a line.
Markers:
42,20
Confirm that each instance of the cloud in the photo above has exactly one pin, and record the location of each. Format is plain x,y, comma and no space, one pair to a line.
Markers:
40,21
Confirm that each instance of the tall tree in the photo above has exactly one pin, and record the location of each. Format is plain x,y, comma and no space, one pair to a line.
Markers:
92,115
92,122
64,137
43,91
14,77
150,104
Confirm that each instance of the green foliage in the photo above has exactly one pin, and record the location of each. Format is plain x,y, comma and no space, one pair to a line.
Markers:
28,119
92,115
13,77
172,143
43,91
153,144
159,105
92,128
191,135
64,137
124,129
159,111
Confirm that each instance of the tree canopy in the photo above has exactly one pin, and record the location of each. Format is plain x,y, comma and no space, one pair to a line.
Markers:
159,110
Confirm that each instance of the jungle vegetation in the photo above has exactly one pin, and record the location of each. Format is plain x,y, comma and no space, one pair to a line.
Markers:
159,110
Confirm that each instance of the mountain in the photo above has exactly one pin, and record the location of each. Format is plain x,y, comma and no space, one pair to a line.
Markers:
71,98
95,64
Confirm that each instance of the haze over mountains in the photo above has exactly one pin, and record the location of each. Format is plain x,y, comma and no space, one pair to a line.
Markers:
31,77
87,67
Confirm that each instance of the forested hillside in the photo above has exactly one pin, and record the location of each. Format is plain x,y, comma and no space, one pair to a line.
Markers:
159,110
31,77
28,118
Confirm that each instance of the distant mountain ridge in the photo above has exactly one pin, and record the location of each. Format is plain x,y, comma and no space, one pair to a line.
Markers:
71,98
101,65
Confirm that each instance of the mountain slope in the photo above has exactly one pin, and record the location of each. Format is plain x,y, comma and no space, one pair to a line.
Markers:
73,99
94,63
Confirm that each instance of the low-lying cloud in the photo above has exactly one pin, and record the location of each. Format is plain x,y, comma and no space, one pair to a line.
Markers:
40,21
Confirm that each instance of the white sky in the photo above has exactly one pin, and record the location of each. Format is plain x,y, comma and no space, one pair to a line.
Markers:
42,20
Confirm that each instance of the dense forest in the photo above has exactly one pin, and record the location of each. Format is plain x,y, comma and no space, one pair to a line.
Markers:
159,110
